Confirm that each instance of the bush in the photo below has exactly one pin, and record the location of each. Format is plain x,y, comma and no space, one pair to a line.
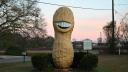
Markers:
84,61
89,62
42,62
14,50
76,60
35,53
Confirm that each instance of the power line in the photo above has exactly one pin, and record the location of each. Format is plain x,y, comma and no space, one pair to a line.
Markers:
71,6
121,4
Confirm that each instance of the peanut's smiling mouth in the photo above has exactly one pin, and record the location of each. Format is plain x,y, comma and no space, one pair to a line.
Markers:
63,25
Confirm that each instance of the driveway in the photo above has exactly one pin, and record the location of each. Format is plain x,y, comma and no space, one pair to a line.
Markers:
8,59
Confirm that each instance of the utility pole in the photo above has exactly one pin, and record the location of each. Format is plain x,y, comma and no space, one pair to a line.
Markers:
113,27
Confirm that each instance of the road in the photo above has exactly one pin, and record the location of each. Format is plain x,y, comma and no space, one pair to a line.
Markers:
8,59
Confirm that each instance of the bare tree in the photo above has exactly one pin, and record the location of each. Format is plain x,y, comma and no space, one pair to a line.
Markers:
20,20
123,29
108,33
21,16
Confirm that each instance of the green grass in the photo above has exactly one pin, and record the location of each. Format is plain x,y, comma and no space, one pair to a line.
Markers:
16,67
113,63
107,63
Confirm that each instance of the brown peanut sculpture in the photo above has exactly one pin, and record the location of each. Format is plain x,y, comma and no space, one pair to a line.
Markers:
63,23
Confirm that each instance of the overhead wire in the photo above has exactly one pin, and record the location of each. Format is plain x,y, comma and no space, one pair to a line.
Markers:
121,4
79,7
72,6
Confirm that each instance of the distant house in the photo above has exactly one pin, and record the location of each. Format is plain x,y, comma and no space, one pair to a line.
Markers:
77,45
97,48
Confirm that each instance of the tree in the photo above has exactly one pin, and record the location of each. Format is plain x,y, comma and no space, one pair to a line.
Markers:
108,33
49,42
123,31
123,28
20,17
38,42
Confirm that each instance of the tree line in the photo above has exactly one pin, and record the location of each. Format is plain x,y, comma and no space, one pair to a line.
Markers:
22,24
120,34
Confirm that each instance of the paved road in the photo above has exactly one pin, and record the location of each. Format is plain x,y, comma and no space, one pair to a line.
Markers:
8,59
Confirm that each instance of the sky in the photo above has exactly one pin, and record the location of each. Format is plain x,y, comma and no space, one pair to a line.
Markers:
88,23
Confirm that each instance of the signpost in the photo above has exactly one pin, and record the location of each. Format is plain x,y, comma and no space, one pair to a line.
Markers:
24,54
119,46
87,44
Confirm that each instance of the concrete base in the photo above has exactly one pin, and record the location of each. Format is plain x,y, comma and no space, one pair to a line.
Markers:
63,70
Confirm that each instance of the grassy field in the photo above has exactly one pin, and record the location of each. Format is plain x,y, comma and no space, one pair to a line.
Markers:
16,67
113,63
107,63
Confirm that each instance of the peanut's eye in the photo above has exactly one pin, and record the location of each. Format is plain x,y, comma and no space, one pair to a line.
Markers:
63,24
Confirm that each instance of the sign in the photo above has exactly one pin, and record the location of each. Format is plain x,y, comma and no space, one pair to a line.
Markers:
23,53
87,44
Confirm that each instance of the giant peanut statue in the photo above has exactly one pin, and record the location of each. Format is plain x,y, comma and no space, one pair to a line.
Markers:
63,22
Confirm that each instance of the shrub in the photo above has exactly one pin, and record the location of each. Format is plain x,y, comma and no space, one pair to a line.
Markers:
89,62
14,50
76,60
42,62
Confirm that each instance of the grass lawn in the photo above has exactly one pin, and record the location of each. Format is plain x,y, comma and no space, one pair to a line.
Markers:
16,67
113,63
107,63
